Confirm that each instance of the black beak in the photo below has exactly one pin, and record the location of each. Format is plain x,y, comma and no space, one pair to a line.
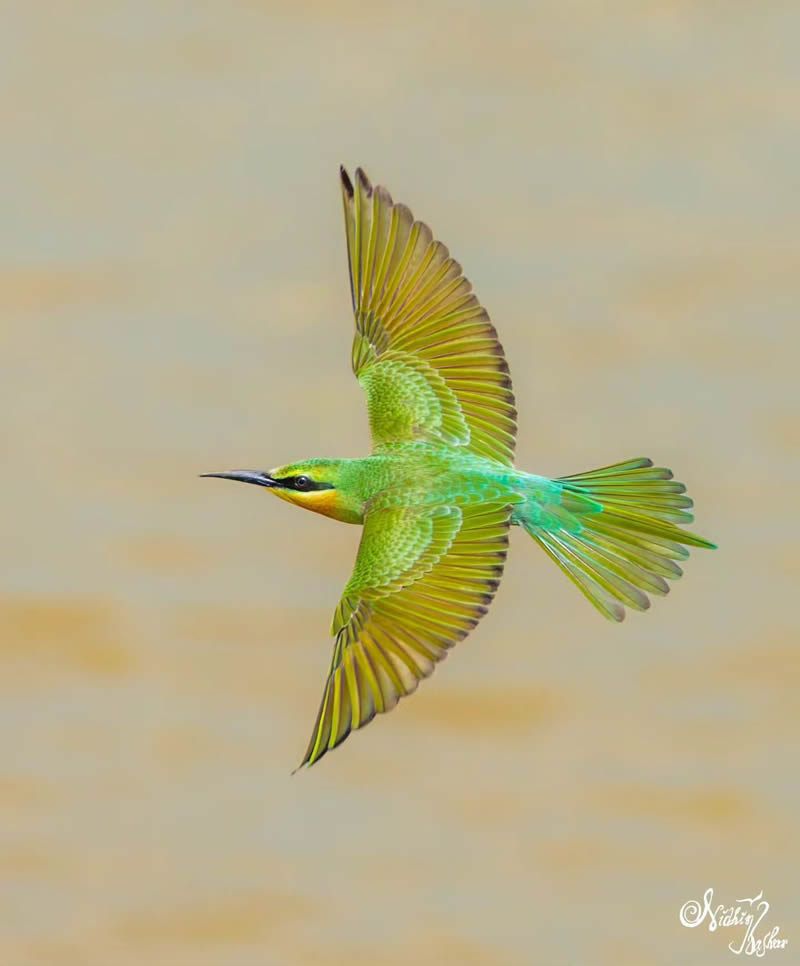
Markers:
246,476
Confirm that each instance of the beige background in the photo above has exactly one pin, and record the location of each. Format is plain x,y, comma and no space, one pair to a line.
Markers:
621,184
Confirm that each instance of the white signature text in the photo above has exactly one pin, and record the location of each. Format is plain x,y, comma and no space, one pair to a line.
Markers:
747,913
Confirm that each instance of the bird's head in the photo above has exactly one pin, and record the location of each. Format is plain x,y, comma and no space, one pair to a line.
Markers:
317,484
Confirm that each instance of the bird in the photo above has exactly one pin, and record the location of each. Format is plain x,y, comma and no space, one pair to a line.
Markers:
439,492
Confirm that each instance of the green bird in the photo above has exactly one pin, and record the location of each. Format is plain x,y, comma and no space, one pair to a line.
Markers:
438,494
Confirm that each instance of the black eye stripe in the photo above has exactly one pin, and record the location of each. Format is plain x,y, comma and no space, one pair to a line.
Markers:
306,486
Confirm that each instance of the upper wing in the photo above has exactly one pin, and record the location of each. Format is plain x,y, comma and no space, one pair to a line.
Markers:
423,578
424,350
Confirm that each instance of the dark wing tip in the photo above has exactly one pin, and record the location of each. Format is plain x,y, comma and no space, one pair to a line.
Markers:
347,184
363,181
383,195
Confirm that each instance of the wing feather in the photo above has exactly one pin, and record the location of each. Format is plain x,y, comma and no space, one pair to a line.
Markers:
400,623
425,350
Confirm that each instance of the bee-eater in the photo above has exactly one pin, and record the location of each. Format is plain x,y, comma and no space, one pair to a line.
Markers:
439,492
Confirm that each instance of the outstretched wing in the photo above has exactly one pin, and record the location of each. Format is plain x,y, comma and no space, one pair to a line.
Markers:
424,350
423,578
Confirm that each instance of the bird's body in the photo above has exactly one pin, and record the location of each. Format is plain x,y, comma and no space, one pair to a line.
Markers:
414,473
439,492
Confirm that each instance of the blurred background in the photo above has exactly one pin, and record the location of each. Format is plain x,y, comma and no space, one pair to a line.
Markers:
621,184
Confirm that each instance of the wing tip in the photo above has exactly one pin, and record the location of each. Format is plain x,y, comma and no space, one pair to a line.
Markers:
383,195
363,181
347,184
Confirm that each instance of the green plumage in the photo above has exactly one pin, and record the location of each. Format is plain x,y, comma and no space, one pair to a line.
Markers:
439,493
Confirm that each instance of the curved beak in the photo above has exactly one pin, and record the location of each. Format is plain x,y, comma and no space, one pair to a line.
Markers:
258,477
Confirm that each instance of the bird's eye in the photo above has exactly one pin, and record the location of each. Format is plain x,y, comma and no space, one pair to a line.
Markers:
302,483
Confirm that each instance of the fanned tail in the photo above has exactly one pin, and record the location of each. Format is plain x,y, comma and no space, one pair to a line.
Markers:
616,533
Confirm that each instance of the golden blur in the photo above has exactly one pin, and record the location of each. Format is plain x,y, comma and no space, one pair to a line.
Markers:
620,184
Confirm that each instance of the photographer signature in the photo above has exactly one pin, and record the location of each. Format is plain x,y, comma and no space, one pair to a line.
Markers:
746,912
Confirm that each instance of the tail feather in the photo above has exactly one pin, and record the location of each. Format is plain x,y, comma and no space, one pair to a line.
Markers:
615,536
